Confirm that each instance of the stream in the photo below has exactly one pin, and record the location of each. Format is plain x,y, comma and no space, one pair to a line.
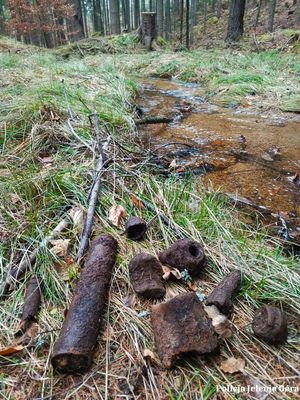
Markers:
234,150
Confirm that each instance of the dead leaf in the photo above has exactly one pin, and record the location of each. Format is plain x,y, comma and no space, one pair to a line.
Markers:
219,321
116,213
232,365
77,214
47,161
60,247
168,271
173,164
150,356
192,285
136,202
11,350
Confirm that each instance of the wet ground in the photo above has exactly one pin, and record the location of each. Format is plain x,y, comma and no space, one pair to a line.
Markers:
254,156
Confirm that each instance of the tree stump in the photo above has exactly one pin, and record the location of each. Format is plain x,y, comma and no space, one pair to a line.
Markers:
147,30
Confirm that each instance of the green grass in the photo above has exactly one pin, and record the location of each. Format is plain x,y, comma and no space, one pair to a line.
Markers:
35,197
227,75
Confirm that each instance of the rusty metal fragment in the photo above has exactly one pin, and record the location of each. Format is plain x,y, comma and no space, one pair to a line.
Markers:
135,228
146,276
185,254
181,326
32,303
221,296
76,344
270,324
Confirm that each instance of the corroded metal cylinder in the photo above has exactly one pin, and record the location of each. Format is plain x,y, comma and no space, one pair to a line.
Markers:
135,228
270,324
185,254
76,344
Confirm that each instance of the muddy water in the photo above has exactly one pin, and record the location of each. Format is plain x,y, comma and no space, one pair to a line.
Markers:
254,156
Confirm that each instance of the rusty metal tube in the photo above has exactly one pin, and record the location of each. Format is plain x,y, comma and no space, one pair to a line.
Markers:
74,350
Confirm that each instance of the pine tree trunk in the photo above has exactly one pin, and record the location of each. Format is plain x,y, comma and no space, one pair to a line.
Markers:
181,21
193,20
257,14
272,10
160,18
127,16
168,27
98,22
187,24
136,8
115,17
235,20
218,8
204,16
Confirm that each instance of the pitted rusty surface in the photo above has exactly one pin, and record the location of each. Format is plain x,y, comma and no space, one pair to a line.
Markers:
181,326
270,324
74,349
185,254
146,276
222,295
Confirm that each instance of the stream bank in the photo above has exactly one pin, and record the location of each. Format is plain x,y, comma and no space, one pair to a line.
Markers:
233,150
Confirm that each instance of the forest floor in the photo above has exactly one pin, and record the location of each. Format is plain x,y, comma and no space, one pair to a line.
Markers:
45,170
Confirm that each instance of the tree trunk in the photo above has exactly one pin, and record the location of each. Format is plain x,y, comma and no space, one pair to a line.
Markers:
218,8
181,21
168,27
115,17
193,20
257,14
127,16
160,18
204,16
98,21
147,31
75,24
235,20
188,24
136,8
150,5
272,10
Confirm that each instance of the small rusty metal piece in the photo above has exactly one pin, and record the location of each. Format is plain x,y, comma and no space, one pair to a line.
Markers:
76,344
221,296
185,254
135,228
181,326
270,324
32,303
146,273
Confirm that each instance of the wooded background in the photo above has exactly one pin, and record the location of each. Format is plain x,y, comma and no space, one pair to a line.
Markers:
51,23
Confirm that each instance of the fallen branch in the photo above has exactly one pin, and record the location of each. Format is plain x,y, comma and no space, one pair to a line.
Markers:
17,272
154,120
94,192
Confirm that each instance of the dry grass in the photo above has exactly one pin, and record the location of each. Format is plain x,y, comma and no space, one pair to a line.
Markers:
34,198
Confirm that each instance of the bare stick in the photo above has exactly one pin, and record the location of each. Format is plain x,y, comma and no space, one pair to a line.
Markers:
94,192
27,261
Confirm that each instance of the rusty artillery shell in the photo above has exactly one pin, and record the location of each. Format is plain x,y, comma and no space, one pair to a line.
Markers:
185,254
32,303
222,295
270,324
76,344
135,228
